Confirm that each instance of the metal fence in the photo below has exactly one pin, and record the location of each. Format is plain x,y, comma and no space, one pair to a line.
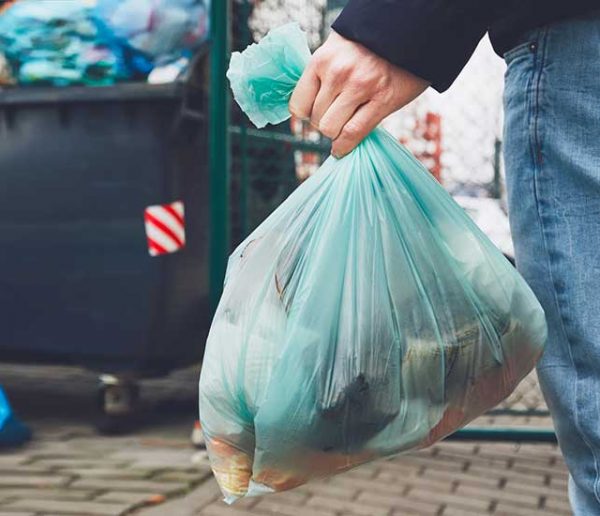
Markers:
456,135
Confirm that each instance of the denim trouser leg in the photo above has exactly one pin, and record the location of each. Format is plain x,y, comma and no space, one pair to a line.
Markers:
552,155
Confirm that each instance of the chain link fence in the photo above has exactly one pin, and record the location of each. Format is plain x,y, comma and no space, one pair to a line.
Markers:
457,135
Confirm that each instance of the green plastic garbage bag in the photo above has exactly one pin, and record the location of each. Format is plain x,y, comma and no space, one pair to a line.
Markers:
367,316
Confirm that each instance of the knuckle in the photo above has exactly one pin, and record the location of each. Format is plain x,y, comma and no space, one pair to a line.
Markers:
385,98
339,68
384,84
360,82
296,111
352,131
383,81
326,128
320,59
339,150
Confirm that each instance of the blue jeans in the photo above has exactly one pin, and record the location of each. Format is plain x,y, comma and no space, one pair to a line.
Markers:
552,156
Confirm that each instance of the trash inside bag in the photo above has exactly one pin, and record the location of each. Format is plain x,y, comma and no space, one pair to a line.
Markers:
367,316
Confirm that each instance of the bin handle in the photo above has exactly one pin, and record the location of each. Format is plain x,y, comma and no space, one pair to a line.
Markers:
187,111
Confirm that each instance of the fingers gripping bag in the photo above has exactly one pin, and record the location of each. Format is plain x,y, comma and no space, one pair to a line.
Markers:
367,316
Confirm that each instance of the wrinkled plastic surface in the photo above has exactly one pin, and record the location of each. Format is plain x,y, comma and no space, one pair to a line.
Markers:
368,315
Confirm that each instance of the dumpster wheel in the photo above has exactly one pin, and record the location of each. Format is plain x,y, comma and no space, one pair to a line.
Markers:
118,400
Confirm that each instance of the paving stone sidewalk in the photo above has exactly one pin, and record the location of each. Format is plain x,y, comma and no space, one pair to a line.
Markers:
451,479
69,470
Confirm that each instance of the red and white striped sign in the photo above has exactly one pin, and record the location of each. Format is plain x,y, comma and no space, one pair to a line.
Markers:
165,228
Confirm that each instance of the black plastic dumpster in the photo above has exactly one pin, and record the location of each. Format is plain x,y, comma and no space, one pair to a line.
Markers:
78,168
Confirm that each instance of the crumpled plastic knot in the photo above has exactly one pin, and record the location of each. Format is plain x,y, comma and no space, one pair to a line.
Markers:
264,76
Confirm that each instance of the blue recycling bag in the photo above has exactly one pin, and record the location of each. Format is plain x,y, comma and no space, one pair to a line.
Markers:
367,316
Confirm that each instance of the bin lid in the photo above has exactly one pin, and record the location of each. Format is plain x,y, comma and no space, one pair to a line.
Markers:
76,94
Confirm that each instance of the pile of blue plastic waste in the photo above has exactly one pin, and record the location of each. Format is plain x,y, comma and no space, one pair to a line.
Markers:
98,42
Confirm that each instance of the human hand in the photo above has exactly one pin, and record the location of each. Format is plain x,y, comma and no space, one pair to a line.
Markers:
347,90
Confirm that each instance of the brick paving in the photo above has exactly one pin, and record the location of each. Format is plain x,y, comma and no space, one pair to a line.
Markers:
450,478
69,470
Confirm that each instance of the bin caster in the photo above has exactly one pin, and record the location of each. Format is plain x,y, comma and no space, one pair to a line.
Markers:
118,399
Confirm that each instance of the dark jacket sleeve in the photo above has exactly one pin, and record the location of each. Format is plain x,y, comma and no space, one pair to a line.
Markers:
433,39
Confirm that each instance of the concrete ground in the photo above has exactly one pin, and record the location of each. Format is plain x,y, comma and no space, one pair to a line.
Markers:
68,469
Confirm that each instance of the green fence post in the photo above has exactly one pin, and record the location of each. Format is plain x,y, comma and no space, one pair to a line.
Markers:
246,37
219,149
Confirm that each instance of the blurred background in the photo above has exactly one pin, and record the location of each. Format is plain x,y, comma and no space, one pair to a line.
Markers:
127,175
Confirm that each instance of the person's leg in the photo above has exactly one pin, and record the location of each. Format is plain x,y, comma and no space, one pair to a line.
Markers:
552,156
